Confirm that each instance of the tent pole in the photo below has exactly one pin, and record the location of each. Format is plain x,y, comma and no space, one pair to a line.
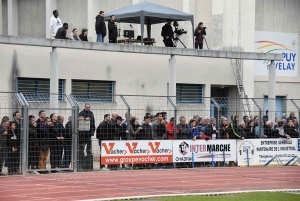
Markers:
142,19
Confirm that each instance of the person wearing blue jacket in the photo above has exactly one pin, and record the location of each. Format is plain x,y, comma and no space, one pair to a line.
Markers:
194,130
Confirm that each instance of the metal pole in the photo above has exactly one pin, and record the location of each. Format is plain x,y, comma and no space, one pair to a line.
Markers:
212,160
24,137
54,78
75,113
172,73
271,90
193,159
248,157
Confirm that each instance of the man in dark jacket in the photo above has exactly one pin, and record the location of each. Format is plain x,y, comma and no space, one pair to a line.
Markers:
83,35
56,147
17,117
199,36
100,27
183,128
112,30
89,116
146,131
62,32
33,152
235,131
211,129
68,143
167,33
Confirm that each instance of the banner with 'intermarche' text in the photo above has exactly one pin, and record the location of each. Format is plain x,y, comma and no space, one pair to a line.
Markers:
202,149
277,43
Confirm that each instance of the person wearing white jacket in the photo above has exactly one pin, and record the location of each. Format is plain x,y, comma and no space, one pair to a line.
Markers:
55,24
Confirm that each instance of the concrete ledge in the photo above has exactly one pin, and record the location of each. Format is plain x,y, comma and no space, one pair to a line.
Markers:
43,42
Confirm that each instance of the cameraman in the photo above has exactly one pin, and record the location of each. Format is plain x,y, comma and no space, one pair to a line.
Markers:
167,33
199,36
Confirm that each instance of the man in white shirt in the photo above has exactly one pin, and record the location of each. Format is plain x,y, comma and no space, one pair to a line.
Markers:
55,24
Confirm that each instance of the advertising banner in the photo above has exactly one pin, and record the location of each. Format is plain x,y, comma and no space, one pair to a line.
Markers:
298,151
260,151
277,43
183,149
136,152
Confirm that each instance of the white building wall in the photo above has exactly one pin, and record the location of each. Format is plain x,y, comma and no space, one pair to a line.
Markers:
278,16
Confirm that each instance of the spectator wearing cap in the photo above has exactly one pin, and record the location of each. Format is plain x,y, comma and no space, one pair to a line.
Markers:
183,128
170,129
145,132
260,130
84,35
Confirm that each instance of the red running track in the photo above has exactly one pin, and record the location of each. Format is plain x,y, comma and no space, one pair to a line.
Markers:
96,185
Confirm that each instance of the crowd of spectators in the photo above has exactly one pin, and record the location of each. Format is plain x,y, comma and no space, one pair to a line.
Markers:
49,135
59,30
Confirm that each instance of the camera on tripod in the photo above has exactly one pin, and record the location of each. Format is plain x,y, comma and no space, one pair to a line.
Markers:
177,30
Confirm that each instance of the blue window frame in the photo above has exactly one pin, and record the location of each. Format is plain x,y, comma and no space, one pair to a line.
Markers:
92,91
189,93
35,89
278,105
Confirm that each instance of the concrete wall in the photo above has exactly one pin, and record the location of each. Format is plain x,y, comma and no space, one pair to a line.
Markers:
133,73
4,15
32,18
73,12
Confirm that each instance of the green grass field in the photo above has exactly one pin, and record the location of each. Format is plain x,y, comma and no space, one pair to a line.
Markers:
259,196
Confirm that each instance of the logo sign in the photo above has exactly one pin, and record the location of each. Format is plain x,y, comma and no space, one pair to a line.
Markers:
277,43
203,150
136,152
261,151
298,144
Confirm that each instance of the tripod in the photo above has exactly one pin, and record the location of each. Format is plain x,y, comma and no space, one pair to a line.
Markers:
175,41
206,43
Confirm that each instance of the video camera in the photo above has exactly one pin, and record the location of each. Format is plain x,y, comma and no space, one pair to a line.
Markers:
178,31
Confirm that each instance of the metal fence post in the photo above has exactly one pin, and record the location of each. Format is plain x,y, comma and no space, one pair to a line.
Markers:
128,112
260,115
175,116
75,113
298,108
218,120
24,133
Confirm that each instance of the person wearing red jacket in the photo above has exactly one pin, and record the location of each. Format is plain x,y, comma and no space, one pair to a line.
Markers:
170,129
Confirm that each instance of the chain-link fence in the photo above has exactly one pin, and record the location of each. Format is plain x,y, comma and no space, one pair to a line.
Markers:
67,135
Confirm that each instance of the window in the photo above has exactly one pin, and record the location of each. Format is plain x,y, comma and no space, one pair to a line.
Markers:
35,89
189,93
278,105
97,91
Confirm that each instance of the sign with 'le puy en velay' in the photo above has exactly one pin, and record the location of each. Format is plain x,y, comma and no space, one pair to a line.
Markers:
277,43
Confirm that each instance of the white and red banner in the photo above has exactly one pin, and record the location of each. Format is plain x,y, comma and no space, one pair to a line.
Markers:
136,152
202,149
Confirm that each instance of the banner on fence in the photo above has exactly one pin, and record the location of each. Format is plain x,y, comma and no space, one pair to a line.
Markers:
183,149
136,152
260,151
299,151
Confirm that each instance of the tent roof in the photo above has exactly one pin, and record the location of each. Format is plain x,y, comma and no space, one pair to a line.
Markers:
154,14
